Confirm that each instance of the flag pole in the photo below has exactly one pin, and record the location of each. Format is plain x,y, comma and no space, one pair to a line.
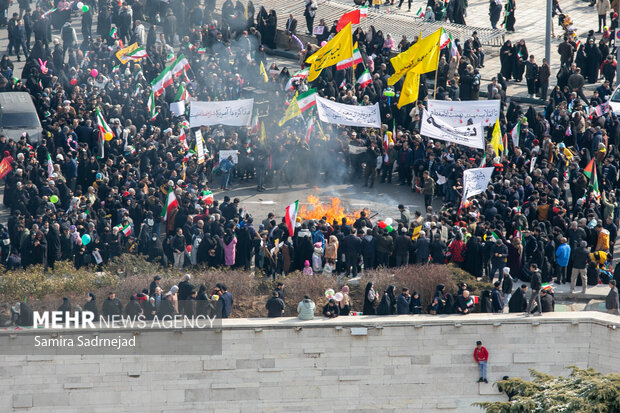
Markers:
435,91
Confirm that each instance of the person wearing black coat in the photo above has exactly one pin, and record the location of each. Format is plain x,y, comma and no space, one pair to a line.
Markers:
204,305
370,299
473,257
91,305
185,292
275,306
547,301
133,309
518,302
506,58
65,307
53,245
352,247
385,306
111,307
497,301
331,309
581,257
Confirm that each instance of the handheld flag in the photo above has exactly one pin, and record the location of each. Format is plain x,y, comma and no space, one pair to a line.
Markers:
263,72
291,217
307,100
171,205
352,17
364,79
423,56
411,86
337,49
291,112
496,140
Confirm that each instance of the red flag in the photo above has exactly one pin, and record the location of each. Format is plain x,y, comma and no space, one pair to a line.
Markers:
5,166
352,17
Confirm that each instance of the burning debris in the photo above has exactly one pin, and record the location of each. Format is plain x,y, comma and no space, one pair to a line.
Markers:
315,209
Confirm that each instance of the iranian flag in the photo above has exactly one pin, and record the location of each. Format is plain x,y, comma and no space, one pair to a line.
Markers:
202,50
182,94
183,139
309,127
445,40
515,134
302,74
350,61
180,66
307,100
364,11
104,129
151,106
419,13
454,50
50,166
161,82
291,217
137,54
47,13
207,196
171,205
364,79
113,33
126,230
116,69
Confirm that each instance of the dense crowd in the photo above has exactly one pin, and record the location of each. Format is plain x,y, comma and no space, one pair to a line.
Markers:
79,197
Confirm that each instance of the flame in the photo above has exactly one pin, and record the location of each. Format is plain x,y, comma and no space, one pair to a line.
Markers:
331,211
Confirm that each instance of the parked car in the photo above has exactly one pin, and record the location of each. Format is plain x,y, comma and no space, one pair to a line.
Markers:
614,101
18,115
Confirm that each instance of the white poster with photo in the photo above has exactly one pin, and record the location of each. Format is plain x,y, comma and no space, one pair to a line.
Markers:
434,127
228,112
226,154
349,115
200,148
456,113
476,181
318,30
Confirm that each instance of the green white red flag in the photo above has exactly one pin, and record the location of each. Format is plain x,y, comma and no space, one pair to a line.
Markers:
171,205
290,217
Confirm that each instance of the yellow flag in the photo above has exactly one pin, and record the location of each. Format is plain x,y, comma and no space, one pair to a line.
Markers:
496,140
323,137
337,49
263,134
423,56
416,232
291,112
263,72
120,55
409,92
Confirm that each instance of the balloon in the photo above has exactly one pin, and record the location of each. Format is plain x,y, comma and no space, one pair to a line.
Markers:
74,81
389,228
329,293
323,43
338,297
79,5
85,8
85,239
53,199
94,72
215,297
382,224
189,249
108,136
388,221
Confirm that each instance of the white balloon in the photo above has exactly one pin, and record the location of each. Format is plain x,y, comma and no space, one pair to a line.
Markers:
338,296
80,5
388,221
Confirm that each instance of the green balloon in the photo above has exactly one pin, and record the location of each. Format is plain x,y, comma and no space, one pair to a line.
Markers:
85,8
389,228
54,199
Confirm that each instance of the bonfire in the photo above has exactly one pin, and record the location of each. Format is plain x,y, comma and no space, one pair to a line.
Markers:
315,209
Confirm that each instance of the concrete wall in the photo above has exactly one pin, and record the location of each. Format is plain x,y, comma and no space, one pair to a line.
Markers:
400,363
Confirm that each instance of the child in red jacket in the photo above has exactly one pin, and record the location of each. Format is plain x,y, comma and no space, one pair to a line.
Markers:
481,355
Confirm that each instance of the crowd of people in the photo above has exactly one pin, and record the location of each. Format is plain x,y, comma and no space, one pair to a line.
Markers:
78,197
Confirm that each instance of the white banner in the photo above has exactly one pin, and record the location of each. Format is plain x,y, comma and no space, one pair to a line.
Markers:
350,115
475,181
229,112
178,108
356,150
456,113
436,128
226,154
